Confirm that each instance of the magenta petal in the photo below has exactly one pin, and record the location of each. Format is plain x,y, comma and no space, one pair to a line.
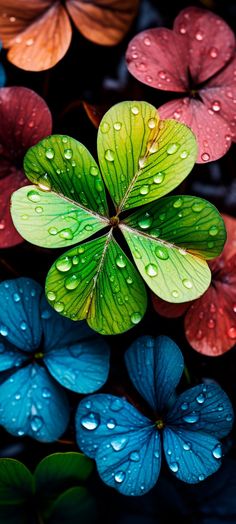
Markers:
158,58
8,235
167,309
25,119
208,39
212,132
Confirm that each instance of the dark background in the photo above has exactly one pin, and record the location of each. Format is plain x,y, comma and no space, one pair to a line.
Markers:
99,75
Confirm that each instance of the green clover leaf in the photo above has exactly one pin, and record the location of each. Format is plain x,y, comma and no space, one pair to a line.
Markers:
141,159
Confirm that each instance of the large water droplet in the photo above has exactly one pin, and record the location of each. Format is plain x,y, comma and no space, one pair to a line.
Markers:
162,253
34,196
191,418
51,295
119,477
109,155
135,110
111,424
90,421
184,406
186,446
200,398
145,221
23,326
117,126
172,148
197,207
46,393
135,317
216,106
158,178
213,52
199,36
151,270
217,451
72,282
44,183
213,231
119,443
144,190
94,171
205,157
16,297
49,153
152,123
231,332
59,307
104,126
63,264
178,203
187,283
53,231
174,467
68,153
36,423
120,261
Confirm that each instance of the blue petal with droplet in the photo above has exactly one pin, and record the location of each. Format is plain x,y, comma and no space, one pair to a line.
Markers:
20,322
10,357
32,404
206,408
191,456
81,367
155,367
124,443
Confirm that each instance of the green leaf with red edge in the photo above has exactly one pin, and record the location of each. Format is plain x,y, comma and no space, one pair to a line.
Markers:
96,281
141,157
170,240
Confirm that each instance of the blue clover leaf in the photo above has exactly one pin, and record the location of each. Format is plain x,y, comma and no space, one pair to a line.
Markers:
126,445
42,351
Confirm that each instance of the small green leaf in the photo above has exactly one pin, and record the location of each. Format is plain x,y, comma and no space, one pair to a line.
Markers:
73,506
59,471
107,289
63,165
49,220
169,240
141,157
16,482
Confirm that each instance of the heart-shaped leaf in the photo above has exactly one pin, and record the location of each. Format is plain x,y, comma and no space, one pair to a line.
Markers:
62,222
169,241
141,157
107,290
72,506
16,482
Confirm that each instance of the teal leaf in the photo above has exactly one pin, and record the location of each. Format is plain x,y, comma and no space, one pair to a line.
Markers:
109,292
63,165
141,157
49,220
169,241
16,482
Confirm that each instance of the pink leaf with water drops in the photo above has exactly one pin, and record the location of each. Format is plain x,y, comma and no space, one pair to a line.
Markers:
158,57
212,132
25,119
208,40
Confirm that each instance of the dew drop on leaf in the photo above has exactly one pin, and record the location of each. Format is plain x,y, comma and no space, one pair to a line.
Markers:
213,231
158,178
191,418
49,153
171,149
109,155
119,477
34,196
90,421
64,264
151,270
68,154
217,452
135,317
59,307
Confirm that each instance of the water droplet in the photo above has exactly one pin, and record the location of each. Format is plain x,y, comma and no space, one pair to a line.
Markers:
39,210
88,227
134,456
182,30
186,446
145,221
53,231
162,253
184,154
213,231
158,178
211,323
59,307
178,203
155,232
16,297
117,126
120,261
90,421
137,253
156,454
184,406
187,283
34,196
17,396
153,147
144,190
217,451
51,295
135,317
64,264
72,282
141,162
175,293
29,42
147,41
199,36
135,110
94,171
151,270
23,326
201,398
119,477
191,418
104,126
174,467
20,432
216,106
172,148
68,153
111,424
213,52
46,393
109,155
197,207
152,123
229,418
232,332
116,405
119,443
36,423
44,183
49,153
129,280
205,157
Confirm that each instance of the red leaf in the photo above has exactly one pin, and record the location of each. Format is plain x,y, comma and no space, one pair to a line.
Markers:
104,22
207,39
167,309
25,119
158,57
95,113
212,132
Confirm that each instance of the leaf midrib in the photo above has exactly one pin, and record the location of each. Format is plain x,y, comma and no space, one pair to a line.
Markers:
106,245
